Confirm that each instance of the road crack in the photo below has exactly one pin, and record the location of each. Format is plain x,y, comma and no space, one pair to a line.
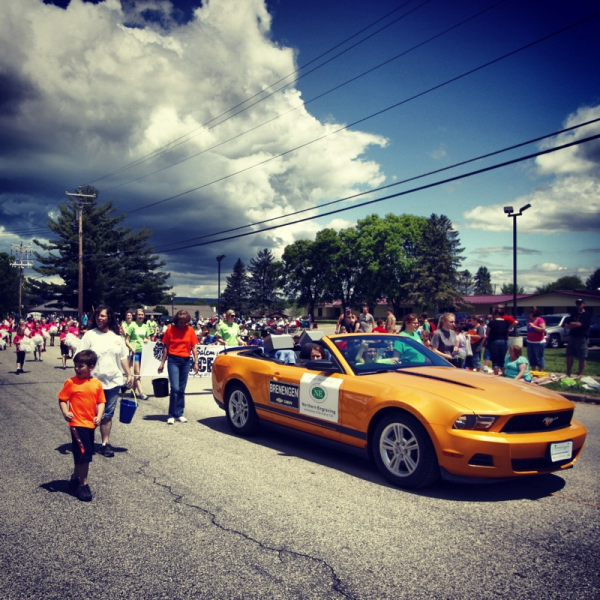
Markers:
282,553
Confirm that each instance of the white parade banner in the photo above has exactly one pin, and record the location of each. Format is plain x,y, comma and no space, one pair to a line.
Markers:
152,355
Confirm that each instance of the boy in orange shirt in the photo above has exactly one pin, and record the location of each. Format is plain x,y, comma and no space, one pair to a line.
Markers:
81,402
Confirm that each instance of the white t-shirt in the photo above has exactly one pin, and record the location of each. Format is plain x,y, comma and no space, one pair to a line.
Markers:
111,350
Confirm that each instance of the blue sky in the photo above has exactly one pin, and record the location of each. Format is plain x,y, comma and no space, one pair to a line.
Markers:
128,77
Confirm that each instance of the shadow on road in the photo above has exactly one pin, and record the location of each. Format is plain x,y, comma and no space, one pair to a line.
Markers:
356,463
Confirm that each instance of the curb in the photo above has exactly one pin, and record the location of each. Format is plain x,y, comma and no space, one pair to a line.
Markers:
580,398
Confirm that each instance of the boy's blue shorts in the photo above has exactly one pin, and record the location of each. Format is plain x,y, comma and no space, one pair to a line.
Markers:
137,357
83,444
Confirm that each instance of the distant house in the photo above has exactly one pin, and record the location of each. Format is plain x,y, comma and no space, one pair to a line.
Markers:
557,301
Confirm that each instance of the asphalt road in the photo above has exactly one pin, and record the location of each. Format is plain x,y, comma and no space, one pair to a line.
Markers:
190,511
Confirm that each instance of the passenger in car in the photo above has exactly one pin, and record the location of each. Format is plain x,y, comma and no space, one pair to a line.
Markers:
368,353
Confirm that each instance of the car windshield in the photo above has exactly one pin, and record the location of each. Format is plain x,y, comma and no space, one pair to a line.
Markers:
371,353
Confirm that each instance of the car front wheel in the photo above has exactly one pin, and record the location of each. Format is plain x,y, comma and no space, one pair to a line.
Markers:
240,411
404,453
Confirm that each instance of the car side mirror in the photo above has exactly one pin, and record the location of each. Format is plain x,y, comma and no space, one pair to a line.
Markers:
321,365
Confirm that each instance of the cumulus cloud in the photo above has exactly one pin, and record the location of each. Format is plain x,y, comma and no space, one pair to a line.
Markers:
92,89
569,200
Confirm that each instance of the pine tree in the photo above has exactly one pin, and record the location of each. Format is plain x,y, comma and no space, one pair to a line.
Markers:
119,267
593,281
465,283
436,272
236,292
9,284
263,283
483,282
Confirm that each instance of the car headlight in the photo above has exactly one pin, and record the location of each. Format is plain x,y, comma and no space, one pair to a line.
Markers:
476,422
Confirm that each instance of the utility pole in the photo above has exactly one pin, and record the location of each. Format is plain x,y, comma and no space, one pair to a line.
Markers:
22,260
80,204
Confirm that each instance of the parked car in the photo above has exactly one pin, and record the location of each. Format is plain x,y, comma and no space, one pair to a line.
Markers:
418,417
556,334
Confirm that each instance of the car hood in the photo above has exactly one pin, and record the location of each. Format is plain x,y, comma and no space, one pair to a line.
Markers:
478,392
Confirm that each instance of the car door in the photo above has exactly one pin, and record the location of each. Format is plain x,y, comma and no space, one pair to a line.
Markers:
303,399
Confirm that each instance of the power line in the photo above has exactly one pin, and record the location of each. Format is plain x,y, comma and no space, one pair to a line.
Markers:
384,187
372,115
404,193
396,195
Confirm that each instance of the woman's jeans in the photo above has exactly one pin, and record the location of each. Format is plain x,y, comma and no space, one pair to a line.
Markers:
498,349
535,354
178,368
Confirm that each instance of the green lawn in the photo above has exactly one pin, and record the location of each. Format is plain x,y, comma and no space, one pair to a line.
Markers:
556,362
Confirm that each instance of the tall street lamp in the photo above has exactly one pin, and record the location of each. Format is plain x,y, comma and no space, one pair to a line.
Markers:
219,259
508,210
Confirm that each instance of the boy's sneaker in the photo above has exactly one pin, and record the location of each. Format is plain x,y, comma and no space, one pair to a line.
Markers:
74,484
144,397
107,451
170,421
84,493
182,419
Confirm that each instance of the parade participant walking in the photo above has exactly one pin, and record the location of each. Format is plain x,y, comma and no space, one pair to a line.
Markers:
180,340
82,403
228,332
65,351
136,335
17,340
410,326
152,327
111,349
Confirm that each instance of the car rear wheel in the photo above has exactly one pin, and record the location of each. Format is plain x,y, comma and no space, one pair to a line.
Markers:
240,411
404,453
554,341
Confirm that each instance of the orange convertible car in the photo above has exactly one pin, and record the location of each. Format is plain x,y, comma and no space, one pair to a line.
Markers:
417,416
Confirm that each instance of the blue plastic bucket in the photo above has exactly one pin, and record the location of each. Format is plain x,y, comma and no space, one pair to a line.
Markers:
127,410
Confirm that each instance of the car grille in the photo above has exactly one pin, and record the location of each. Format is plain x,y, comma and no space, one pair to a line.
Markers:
536,464
538,422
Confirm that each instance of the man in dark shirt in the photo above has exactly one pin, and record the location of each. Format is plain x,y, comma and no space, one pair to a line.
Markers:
578,325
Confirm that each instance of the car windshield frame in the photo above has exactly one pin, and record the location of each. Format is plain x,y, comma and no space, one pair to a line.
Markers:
410,353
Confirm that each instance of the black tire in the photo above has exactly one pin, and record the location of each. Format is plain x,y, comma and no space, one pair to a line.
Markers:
240,411
554,341
403,452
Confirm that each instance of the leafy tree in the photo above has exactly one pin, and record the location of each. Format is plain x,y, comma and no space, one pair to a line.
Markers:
305,274
436,273
161,309
237,290
119,267
466,284
593,281
9,284
568,282
263,284
507,288
386,256
337,250
482,282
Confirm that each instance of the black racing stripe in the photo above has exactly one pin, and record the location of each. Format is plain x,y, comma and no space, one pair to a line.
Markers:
313,421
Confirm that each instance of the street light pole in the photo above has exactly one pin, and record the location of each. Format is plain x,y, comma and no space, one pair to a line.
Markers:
219,259
508,210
